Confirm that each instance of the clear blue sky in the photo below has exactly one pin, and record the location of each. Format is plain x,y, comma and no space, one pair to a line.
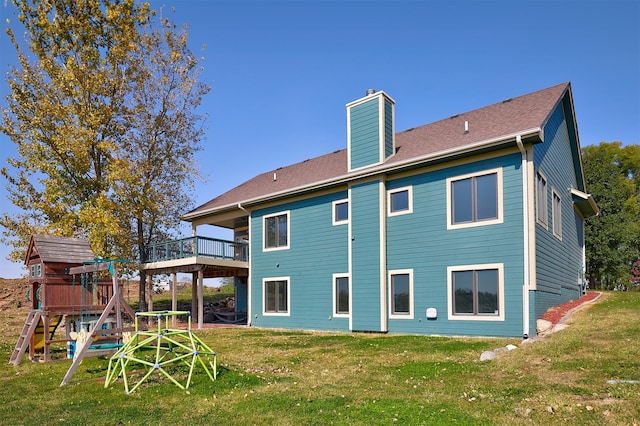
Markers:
282,71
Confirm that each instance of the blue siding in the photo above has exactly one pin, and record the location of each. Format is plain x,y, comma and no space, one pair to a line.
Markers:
317,250
388,128
418,241
558,262
421,241
365,249
365,134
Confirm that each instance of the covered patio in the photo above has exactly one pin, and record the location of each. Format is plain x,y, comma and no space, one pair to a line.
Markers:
202,257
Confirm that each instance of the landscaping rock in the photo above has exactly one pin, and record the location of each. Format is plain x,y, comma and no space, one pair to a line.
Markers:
487,356
543,326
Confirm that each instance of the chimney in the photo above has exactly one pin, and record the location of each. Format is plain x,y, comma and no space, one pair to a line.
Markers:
370,130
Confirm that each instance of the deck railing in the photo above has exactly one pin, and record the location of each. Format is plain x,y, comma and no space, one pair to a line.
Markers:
196,246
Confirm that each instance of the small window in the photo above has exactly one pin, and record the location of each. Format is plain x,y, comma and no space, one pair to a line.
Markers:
401,294
556,214
276,296
340,212
276,231
476,292
475,199
542,211
400,201
340,295
33,271
39,269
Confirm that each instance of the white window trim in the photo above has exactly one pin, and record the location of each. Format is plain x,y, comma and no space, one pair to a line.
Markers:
390,192
335,313
264,306
451,269
544,223
555,215
333,212
264,231
500,219
390,295
39,269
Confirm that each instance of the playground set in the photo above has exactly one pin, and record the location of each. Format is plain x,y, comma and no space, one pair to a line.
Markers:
162,350
67,286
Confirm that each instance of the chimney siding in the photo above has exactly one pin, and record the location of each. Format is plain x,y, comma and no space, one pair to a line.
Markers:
370,130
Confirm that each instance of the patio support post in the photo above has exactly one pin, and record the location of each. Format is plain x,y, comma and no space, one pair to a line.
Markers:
149,285
200,298
174,297
194,293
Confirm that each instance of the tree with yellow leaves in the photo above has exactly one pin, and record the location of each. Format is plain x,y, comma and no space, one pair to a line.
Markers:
102,114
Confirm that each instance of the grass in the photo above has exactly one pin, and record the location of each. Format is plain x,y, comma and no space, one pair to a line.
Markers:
292,377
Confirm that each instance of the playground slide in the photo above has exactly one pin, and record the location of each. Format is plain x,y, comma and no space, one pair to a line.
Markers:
38,335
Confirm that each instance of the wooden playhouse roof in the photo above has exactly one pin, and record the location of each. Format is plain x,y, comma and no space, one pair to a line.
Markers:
55,249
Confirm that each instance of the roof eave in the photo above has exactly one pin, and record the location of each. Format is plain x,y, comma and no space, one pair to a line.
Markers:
382,168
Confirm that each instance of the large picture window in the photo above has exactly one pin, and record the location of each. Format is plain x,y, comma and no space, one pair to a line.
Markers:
476,292
341,295
276,296
276,231
474,199
401,294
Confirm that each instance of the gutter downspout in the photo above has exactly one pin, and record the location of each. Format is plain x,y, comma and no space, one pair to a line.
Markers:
242,208
525,223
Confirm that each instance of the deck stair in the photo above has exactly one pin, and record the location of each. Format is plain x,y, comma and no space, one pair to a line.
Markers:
28,330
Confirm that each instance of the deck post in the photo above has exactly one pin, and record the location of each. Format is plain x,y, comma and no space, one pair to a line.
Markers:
194,294
174,297
200,298
149,285
149,292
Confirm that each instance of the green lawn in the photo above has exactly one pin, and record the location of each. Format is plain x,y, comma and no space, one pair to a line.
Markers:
293,378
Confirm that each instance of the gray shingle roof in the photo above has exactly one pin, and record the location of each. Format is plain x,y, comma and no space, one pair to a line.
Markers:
439,139
56,249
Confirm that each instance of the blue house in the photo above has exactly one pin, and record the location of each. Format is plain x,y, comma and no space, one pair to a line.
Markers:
471,225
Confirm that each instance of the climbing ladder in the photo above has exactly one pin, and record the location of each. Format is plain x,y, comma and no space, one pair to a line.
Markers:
29,328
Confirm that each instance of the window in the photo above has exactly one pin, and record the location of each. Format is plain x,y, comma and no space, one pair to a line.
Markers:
556,215
476,292
542,211
475,199
276,296
401,294
399,201
340,212
340,295
276,231
33,271
39,269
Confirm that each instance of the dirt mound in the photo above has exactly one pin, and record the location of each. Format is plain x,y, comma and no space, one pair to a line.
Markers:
13,293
